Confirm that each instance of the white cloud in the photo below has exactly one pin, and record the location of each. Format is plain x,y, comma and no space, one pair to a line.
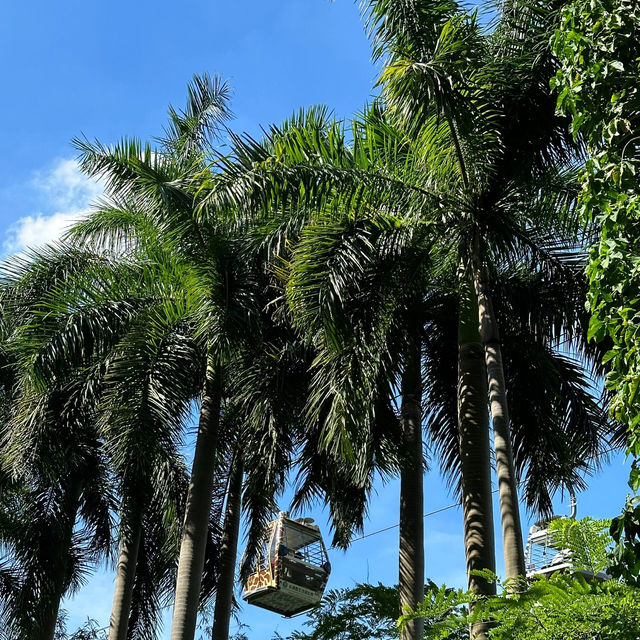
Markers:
66,187
65,195
36,230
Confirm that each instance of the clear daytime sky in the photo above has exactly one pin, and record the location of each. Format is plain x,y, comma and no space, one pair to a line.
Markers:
107,69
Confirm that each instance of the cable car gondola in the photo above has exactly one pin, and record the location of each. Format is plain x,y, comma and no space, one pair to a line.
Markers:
291,568
543,555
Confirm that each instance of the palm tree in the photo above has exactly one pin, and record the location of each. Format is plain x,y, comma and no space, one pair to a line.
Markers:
483,88
228,552
206,288
333,174
164,184
491,91
56,520
157,336
118,378
151,378
302,143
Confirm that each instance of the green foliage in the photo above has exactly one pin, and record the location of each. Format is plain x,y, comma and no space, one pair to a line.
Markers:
366,612
445,611
599,51
588,539
370,612
625,531
562,607
567,607
109,361
383,219
90,630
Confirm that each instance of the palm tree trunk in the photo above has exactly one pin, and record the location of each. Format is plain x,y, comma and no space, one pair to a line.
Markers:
411,570
507,483
228,553
475,458
59,566
125,581
50,620
197,511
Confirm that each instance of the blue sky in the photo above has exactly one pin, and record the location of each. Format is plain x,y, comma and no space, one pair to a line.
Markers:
107,69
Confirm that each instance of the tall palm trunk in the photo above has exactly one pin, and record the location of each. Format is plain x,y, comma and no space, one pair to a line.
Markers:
59,566
125,580
475,459
411,560
50,619
507,484
228,553
197,511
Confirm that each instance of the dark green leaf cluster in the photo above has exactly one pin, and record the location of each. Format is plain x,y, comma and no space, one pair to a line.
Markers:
90,630
374,224
625,556
599,52
566,607
363,612
562,607
588,540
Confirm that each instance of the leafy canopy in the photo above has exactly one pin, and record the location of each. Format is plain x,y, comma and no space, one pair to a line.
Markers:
562,607
588,539
599,51
369,612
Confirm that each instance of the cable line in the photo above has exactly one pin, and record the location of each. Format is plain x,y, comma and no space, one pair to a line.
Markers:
456,504
426,515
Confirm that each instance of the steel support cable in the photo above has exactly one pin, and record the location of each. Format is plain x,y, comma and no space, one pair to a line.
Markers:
454,505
